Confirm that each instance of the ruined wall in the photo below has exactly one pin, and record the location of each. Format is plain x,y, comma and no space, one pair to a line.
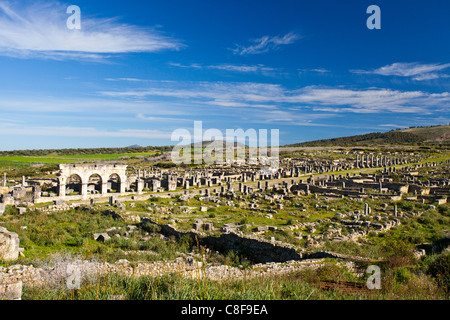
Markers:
258,250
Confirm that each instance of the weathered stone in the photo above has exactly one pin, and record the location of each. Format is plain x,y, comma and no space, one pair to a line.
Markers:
101,237
9,245
11,291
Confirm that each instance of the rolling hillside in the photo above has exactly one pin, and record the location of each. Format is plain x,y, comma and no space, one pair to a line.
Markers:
413,135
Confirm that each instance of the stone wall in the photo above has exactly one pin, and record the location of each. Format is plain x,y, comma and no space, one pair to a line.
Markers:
258,250
56,276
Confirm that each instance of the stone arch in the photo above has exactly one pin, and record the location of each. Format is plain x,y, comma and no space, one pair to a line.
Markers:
86,172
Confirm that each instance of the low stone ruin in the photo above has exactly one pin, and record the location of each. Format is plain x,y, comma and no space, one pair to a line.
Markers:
9,245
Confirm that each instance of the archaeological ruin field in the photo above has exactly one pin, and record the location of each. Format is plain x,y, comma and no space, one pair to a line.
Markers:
137,227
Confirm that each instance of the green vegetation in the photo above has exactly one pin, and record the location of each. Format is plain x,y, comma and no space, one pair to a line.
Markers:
77,152
301,285
72,232
407,136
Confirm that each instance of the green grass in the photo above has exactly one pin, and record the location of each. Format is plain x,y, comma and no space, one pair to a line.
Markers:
30,160
71,232
68,158
399,283
98,156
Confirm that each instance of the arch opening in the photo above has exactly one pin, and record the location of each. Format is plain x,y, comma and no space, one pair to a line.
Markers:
94,184
73,185
114,183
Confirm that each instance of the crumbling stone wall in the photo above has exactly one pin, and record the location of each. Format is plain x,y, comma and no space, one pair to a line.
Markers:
258,250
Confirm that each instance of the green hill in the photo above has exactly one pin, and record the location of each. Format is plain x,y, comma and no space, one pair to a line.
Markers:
412,135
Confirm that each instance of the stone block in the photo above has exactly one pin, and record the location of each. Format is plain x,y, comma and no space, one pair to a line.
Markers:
9,245
11,291
102,237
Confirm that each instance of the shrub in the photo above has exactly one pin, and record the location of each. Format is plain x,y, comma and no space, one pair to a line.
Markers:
402,275
398,253
440,269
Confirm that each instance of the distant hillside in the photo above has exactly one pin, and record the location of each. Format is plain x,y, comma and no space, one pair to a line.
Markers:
81,151
412,135
206,144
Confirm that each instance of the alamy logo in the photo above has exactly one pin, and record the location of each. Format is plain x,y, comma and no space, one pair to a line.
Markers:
74,21
374,21
374,281
73,280
236,146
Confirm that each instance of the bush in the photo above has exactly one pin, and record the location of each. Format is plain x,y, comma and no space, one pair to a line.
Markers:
398,253
151,228
444,210
440,269
402,275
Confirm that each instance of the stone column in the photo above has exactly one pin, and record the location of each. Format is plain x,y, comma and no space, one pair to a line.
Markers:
104,188
62,190
139,186
84,190
366,209
4,180
122,186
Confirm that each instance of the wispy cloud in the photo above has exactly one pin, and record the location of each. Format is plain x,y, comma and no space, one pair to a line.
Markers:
70,131
259,68
414,70
265,44
270,96
40,31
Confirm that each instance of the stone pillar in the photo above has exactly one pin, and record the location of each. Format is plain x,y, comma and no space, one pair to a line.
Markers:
36,193
104,188
139,186
122,186
395,210
24,183
4,180
84,190
366,209
112,200
62,190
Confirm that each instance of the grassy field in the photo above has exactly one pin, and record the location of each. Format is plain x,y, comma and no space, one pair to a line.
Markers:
71,233
14,162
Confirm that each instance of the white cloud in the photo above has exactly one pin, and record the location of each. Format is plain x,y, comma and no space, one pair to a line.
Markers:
260,68
323,99
266,43
69,131
40,30
413,70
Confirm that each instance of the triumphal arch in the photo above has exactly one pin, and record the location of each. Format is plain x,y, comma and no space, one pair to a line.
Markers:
106,176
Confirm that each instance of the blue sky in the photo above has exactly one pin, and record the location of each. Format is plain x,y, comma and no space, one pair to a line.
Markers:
138,70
